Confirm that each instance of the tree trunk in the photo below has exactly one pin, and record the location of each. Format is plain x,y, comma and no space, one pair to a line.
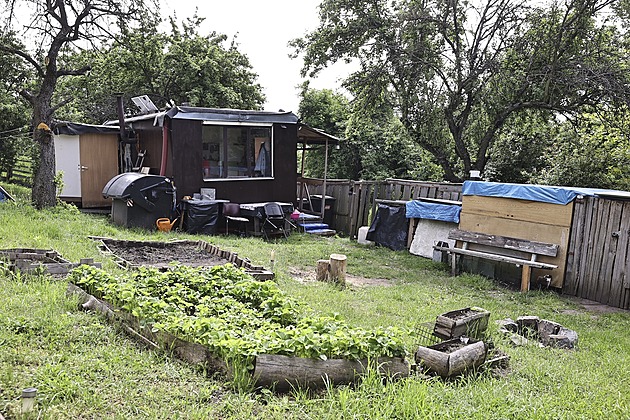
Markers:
43,193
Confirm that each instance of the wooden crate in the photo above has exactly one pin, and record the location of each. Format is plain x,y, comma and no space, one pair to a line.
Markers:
470,322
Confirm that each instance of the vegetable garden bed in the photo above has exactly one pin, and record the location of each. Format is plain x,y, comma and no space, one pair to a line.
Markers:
134,254
222,318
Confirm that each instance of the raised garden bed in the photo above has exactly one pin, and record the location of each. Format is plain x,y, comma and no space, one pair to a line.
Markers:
451,357
29,260
134,254
220,317
469,322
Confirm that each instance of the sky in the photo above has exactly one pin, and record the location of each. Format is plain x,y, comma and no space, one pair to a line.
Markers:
263,29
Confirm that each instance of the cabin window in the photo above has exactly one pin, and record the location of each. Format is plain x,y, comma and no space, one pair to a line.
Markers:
236,151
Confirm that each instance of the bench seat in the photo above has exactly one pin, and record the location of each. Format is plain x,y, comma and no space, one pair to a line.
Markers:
497,249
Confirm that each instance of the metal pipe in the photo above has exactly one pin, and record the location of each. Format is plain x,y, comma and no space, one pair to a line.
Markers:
164,147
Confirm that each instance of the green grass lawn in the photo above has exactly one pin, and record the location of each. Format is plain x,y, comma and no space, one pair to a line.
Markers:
85,368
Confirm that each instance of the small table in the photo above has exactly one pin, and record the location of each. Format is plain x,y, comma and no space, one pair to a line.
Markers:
256,212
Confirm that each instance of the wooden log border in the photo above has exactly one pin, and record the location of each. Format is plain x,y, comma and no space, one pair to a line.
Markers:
192,353
29,260
284,373
280,373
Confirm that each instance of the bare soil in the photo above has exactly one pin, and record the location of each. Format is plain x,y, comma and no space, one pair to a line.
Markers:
304,276
157,256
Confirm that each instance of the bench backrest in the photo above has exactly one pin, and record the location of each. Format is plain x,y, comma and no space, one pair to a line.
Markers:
532,247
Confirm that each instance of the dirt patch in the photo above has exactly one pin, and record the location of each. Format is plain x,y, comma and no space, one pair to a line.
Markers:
304,276
591,306
161,255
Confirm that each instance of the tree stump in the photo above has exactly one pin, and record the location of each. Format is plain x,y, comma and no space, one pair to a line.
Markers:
338,263
322,270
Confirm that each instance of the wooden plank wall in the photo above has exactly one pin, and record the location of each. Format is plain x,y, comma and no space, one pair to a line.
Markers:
599,256
356,200
529,220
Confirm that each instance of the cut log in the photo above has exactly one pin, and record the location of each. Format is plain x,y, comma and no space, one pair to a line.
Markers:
322,270
338,264
284,373
439,360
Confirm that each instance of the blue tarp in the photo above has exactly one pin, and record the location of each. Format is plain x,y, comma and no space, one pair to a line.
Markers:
542,193
433,211
5,196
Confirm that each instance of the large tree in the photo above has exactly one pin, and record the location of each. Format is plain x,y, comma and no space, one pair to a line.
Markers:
456,71
53,28
373,145
170,67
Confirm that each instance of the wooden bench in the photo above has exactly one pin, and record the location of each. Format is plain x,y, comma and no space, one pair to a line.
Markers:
498,248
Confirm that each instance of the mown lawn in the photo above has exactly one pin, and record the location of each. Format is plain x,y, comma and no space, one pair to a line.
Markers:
86,368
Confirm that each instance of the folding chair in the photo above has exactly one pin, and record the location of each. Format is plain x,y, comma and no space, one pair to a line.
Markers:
232,213
274,222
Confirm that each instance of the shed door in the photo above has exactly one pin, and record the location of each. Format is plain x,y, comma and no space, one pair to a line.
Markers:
598,267
99,164
67,161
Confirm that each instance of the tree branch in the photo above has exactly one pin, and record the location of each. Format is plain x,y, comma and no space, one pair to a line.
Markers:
26,57
78,72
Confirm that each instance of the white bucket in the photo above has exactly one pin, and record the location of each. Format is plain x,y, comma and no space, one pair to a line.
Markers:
363,230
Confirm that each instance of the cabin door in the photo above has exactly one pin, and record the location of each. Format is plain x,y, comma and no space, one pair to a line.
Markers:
99,164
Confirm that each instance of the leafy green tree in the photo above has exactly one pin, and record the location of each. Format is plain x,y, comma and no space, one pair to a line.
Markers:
55,28
325,110
14,122
590,152
373,145
171,68
455,71
520,153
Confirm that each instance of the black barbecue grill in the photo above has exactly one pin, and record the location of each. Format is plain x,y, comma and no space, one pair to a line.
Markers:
139,199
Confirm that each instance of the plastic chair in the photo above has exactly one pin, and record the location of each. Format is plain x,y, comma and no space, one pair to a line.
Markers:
232,213
274,222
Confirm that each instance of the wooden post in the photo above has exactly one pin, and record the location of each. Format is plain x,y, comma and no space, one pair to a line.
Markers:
338,264
322,270
527,271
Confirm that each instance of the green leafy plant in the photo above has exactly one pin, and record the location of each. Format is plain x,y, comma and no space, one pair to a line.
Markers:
234,315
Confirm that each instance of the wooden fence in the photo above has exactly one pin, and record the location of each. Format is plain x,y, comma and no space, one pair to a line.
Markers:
598,262
21,173
356,201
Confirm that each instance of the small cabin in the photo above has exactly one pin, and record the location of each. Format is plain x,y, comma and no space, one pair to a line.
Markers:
244,156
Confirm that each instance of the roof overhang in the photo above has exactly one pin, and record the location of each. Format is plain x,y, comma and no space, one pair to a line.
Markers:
74,129
214,114
310,135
